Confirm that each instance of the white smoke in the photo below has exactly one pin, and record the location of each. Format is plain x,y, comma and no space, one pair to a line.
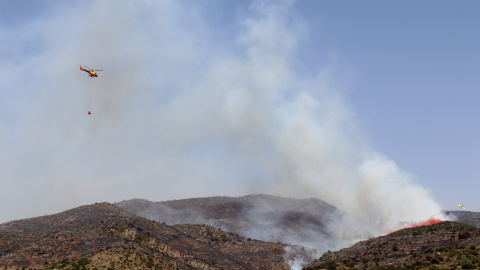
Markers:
294,259
184,110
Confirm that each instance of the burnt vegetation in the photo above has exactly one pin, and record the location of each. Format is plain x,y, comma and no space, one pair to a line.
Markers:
264,217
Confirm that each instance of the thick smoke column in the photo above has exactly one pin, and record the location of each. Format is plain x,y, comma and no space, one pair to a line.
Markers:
181,111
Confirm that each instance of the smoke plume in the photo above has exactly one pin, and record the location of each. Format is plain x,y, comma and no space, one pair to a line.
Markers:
185,109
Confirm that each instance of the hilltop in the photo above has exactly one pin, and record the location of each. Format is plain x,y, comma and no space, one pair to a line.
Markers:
266,217
102,236
446,245
466,217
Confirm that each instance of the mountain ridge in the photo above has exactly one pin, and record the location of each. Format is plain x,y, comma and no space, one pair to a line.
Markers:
103,236
267,217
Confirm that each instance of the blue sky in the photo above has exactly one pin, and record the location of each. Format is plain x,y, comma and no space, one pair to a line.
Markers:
415,85
301,98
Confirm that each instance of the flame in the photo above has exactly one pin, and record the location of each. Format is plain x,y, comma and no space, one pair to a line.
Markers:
427,222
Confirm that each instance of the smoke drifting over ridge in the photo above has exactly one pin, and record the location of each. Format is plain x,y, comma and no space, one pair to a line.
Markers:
185,110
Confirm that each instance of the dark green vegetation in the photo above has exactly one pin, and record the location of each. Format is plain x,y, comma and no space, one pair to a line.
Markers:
115,259
459,257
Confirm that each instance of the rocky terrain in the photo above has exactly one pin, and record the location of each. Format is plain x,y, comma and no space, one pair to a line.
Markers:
266,217
446,245
101,236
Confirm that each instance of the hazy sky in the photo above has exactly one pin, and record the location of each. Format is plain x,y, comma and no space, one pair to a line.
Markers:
352,102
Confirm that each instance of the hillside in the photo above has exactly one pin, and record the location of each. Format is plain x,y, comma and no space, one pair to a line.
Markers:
101,236
466,217
447,245
269,218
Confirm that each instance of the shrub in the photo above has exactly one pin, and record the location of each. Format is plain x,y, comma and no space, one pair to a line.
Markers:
464,235
466,264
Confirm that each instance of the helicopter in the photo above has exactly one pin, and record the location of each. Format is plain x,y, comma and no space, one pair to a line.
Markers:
91,72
